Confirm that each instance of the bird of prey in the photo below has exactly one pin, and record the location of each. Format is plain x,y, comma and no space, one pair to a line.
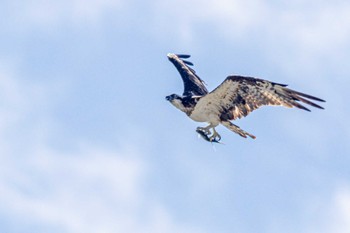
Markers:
234,98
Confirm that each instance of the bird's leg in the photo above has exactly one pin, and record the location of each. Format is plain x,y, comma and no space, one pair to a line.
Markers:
205,130
215,137
205,133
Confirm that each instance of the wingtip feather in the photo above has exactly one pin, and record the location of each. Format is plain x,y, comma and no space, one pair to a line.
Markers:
188,62
184,56
304,95
299,97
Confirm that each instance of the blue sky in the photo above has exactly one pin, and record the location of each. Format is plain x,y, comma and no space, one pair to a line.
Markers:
89,144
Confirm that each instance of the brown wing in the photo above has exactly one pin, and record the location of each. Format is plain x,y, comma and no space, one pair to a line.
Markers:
237,96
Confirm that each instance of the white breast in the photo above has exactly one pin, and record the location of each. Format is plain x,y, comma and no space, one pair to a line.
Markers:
205,111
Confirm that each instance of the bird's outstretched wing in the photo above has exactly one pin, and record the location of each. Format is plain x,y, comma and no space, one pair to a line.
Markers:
193,85
237,96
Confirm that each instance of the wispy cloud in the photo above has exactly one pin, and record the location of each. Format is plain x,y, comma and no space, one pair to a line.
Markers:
313,27
331,215
88,190
85,189
51,13
185,17
341,211
89,187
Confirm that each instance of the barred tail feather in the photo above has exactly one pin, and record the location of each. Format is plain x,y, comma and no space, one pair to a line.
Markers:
236,129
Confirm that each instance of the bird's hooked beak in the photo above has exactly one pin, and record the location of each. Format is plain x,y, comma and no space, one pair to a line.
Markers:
168,98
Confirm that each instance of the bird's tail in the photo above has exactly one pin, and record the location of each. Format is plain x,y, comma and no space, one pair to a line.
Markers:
236,129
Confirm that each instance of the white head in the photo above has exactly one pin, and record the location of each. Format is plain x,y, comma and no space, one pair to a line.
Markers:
176,100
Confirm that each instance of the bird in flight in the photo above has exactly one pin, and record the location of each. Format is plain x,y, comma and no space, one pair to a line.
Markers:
233,99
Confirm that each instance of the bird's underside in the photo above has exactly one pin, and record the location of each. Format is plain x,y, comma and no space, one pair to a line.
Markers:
234,98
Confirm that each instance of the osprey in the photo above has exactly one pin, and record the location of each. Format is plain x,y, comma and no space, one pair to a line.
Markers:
233,99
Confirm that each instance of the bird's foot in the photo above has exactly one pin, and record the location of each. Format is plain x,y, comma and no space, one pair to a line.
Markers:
205,133
204,130
215,137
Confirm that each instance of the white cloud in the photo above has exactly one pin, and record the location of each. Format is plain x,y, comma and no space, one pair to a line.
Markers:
311,26
94,189
85,189
340,211
332,215
90,190
324,28
50,13
184,17
80,192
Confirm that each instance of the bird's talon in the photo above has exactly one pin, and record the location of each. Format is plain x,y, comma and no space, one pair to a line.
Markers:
215,138
203,130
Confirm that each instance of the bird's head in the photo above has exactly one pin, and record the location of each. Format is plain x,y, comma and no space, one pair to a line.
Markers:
173,97
176,100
